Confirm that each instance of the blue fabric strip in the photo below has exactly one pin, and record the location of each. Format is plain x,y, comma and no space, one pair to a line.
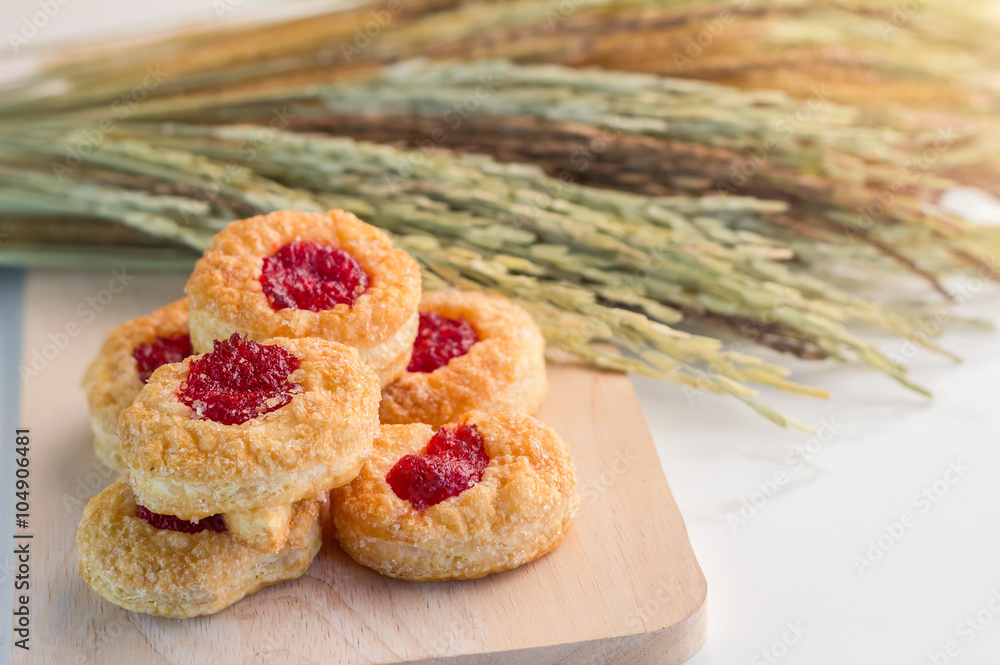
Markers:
11,334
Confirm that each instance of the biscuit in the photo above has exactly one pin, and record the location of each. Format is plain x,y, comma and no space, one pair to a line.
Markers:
317,437
228,296
519,510
167,573
504,369
113,381
265,529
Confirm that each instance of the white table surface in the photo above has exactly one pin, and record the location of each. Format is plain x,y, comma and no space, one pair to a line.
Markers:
890,476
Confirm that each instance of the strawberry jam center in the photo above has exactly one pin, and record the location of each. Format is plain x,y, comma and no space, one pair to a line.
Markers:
453,462
162,350
239,380
306,275
439,339
172,523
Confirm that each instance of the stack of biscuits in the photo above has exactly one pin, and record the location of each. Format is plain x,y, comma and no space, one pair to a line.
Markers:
305,368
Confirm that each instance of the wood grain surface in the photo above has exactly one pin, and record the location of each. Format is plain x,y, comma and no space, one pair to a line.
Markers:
625,587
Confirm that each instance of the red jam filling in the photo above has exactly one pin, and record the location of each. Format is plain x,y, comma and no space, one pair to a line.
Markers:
162,350
306,275
172,523
439,339
239,380
453,462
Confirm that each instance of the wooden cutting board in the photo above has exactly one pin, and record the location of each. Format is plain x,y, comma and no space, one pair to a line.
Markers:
625,586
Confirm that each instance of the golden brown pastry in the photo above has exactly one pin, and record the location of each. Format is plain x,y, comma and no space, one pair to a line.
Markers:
479,497
474,352
129,355
266,528
170,573
301,274
250,425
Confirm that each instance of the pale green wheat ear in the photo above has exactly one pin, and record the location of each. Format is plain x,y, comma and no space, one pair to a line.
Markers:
757,212
593,266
